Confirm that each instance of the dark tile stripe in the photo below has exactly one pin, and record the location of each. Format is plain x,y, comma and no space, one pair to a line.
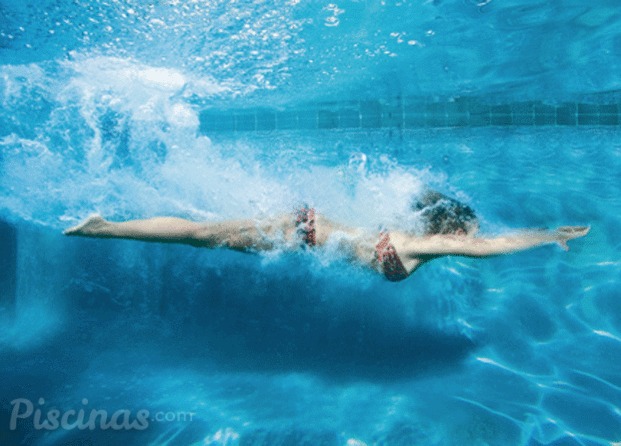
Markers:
412,113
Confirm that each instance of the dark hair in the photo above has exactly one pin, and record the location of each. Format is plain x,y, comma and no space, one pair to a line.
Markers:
444,215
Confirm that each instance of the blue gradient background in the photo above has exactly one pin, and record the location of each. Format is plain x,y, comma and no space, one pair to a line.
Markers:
100,112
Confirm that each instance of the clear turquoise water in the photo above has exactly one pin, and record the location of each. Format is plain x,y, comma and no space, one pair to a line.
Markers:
100,112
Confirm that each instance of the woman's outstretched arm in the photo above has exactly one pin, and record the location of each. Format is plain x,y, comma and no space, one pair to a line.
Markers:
241,235
438,245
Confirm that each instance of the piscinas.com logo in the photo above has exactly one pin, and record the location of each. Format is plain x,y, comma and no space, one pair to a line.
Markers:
84,418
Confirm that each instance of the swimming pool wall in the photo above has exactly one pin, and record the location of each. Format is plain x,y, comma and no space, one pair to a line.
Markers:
413,112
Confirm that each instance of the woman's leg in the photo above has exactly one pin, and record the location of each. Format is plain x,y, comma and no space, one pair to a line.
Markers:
242,235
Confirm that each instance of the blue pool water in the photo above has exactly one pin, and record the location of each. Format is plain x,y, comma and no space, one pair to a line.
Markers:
215,110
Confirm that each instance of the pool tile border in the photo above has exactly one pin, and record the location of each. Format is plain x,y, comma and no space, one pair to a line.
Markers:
410,113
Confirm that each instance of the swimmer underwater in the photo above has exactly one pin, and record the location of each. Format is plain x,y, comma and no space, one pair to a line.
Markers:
450,229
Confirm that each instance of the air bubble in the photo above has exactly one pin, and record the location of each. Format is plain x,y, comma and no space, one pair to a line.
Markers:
332,21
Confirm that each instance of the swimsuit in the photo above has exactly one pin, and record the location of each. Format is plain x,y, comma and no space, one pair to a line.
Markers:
305,223
388,258
385,252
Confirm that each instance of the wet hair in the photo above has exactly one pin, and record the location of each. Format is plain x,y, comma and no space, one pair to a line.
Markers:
443,215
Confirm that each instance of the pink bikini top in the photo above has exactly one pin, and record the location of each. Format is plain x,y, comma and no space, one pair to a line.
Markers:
387,256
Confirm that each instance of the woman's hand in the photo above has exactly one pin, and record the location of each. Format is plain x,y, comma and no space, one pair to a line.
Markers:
566,233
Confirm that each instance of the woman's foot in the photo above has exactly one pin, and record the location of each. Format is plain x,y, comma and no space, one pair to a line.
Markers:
92,226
